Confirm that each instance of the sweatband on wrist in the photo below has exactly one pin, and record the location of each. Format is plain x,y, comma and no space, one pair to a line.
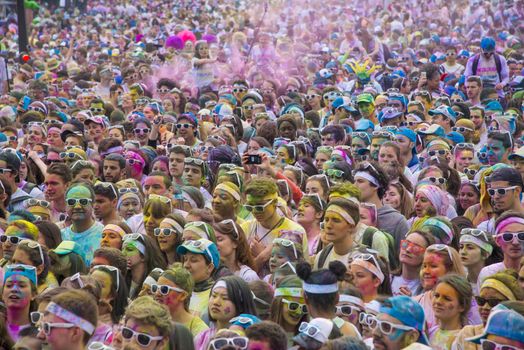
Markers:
367,176
70,317
340,211
320,288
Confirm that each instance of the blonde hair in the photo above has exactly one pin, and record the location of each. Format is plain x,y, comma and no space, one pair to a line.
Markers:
146,310
453,264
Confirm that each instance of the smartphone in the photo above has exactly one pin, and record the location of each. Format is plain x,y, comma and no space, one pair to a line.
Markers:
423,75
254,159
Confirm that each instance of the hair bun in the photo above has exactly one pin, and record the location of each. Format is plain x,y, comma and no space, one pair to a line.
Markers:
338,269
303,270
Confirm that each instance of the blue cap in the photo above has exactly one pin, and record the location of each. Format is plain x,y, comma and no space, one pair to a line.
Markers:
22,270
410,134
407,311
244,320
434,129
456,137
494,106
202,246
389,113
487,44
498,324
446,111
344,102
364,124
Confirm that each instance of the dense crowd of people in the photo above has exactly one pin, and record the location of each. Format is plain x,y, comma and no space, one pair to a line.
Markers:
294,174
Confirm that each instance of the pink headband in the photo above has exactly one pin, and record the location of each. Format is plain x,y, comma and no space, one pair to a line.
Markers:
504,223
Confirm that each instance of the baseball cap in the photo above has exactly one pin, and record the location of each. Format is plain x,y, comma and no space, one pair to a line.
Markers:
494,106
455,137
65,247
445,111
407,311
97,119
410,134
201,246
389,113
343,102
497,324
368,98
66,133
364,124
519,154
487,44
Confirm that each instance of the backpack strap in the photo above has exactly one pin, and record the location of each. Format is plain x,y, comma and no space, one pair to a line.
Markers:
475,64
498,63
324,254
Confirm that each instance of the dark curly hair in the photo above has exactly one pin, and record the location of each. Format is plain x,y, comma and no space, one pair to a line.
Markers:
333,274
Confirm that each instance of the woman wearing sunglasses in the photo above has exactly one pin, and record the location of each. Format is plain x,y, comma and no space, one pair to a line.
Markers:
19,290
169,236
288,308
230,296
321,294
285,254
31,253
17,231
114,292
234,249
155,210
142,256
451,302
439,260
406,279
173,289
498,288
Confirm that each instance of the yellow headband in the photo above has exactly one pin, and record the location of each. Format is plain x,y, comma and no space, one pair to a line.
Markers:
114,228
499,287
340,211
224,187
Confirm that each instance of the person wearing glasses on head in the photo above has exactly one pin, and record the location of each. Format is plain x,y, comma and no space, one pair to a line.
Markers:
262,201
105,204
17,231
136,165
19,289
69,321
400,324
84,230
498,288
476,247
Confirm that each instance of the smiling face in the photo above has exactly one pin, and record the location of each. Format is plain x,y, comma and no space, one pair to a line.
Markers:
432,268
514,249
392,197
292,318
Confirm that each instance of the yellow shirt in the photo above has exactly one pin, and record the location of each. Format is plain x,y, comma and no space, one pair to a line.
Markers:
196,326
198,302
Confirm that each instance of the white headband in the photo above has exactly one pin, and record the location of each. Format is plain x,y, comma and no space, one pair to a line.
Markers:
370,267
175,224
320,288
344,298
70,317
220,284
478,242
367,176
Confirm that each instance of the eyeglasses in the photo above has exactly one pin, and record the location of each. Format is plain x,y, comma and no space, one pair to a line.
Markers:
440,152
441,247
474,232
236,342
84,163
492,302
111,269
163,199
308,329
364,318
34,245
96,345
36,316
236,235
5,170
387,327
142,339
107,185
436,180
510,236
12,239
492,345
286,243
470,172
315,196
128,190
347,310
500,191
69,155
47,327
413,247
165,289
383,134
258,208
311,96
132,161
184,125
163,90
461,129
96,110
164,231
50,122
294,306
71,202
141,130
335,173
32,202
190,161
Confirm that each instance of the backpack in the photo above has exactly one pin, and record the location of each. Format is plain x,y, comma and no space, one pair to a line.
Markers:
28,187
367,240
498,63
16,201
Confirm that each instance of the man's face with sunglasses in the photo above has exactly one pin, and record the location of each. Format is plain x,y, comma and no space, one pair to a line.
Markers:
97,108
79,204
488,54
263,210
